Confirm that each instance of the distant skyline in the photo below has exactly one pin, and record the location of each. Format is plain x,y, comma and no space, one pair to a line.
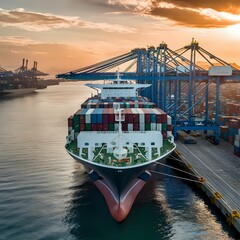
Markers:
63,35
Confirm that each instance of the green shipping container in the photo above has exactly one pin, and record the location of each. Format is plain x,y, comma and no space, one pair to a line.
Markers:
164,127
76,119
147,127
76,128
111,126
88,126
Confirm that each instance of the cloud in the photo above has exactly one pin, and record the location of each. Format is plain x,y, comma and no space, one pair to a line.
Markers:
199,14
17,40
33,21
230,6
206,18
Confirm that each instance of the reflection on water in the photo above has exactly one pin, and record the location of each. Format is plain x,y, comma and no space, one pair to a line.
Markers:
45,194
88,216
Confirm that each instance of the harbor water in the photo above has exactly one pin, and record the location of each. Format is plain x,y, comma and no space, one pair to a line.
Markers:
45,194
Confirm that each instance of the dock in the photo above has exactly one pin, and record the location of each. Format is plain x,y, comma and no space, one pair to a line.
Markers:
219,171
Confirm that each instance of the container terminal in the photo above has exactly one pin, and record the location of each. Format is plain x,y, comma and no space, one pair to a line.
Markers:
23,80
201,92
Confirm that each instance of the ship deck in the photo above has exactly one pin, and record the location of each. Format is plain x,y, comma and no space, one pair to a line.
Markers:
135,158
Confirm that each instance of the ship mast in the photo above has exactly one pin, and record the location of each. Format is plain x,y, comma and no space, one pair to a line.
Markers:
120,152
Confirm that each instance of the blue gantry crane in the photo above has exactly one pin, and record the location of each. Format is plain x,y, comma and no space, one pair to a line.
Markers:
180,85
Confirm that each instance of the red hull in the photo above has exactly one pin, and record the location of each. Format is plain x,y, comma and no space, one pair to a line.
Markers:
120,205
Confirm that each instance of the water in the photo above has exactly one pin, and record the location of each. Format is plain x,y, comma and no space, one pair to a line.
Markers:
45,194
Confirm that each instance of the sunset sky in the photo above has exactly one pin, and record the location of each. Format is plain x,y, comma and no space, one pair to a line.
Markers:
63,35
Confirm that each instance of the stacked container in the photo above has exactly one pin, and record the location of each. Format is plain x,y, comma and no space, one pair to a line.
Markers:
99,115
237,144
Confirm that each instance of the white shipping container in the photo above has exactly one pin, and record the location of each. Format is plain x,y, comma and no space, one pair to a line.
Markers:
141,116
142,127
169,120
130,127
88,115
236,143
220,71
159,127
153,126
237,137
116,126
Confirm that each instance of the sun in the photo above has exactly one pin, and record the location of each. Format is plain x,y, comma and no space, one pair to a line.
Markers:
234,30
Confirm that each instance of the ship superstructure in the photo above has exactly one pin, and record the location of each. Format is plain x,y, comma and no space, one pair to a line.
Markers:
118,135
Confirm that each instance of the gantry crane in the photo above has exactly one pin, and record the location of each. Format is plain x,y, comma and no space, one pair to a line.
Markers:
179,84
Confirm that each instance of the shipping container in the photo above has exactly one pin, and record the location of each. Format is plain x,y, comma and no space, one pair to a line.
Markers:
116,126
142,127
70,121
111,126
164,127
136,127
94,127
105,115
88,127
153,126
88,115
159,127
169,128
105,126
147,126
169,120
130,127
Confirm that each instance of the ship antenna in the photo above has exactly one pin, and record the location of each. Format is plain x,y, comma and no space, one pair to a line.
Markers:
118,76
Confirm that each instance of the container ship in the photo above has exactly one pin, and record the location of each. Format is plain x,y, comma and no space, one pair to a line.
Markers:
119,136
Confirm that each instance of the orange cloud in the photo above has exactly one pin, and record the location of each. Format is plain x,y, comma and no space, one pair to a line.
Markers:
199,14
33,21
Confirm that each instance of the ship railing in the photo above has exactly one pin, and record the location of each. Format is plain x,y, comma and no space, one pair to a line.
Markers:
107,132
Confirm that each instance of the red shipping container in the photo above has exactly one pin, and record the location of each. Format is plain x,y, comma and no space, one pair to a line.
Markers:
105,126
82,119
94,127
82,127
128,116
164,118
223,129
99,127
147,118
158,118
169,127
70,121
111,116
124,127
136,127
231,139
105,115
136,118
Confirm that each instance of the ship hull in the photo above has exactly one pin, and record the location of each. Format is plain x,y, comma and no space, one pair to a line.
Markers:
119,186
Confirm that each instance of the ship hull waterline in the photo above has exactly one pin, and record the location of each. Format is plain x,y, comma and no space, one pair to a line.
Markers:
119,186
